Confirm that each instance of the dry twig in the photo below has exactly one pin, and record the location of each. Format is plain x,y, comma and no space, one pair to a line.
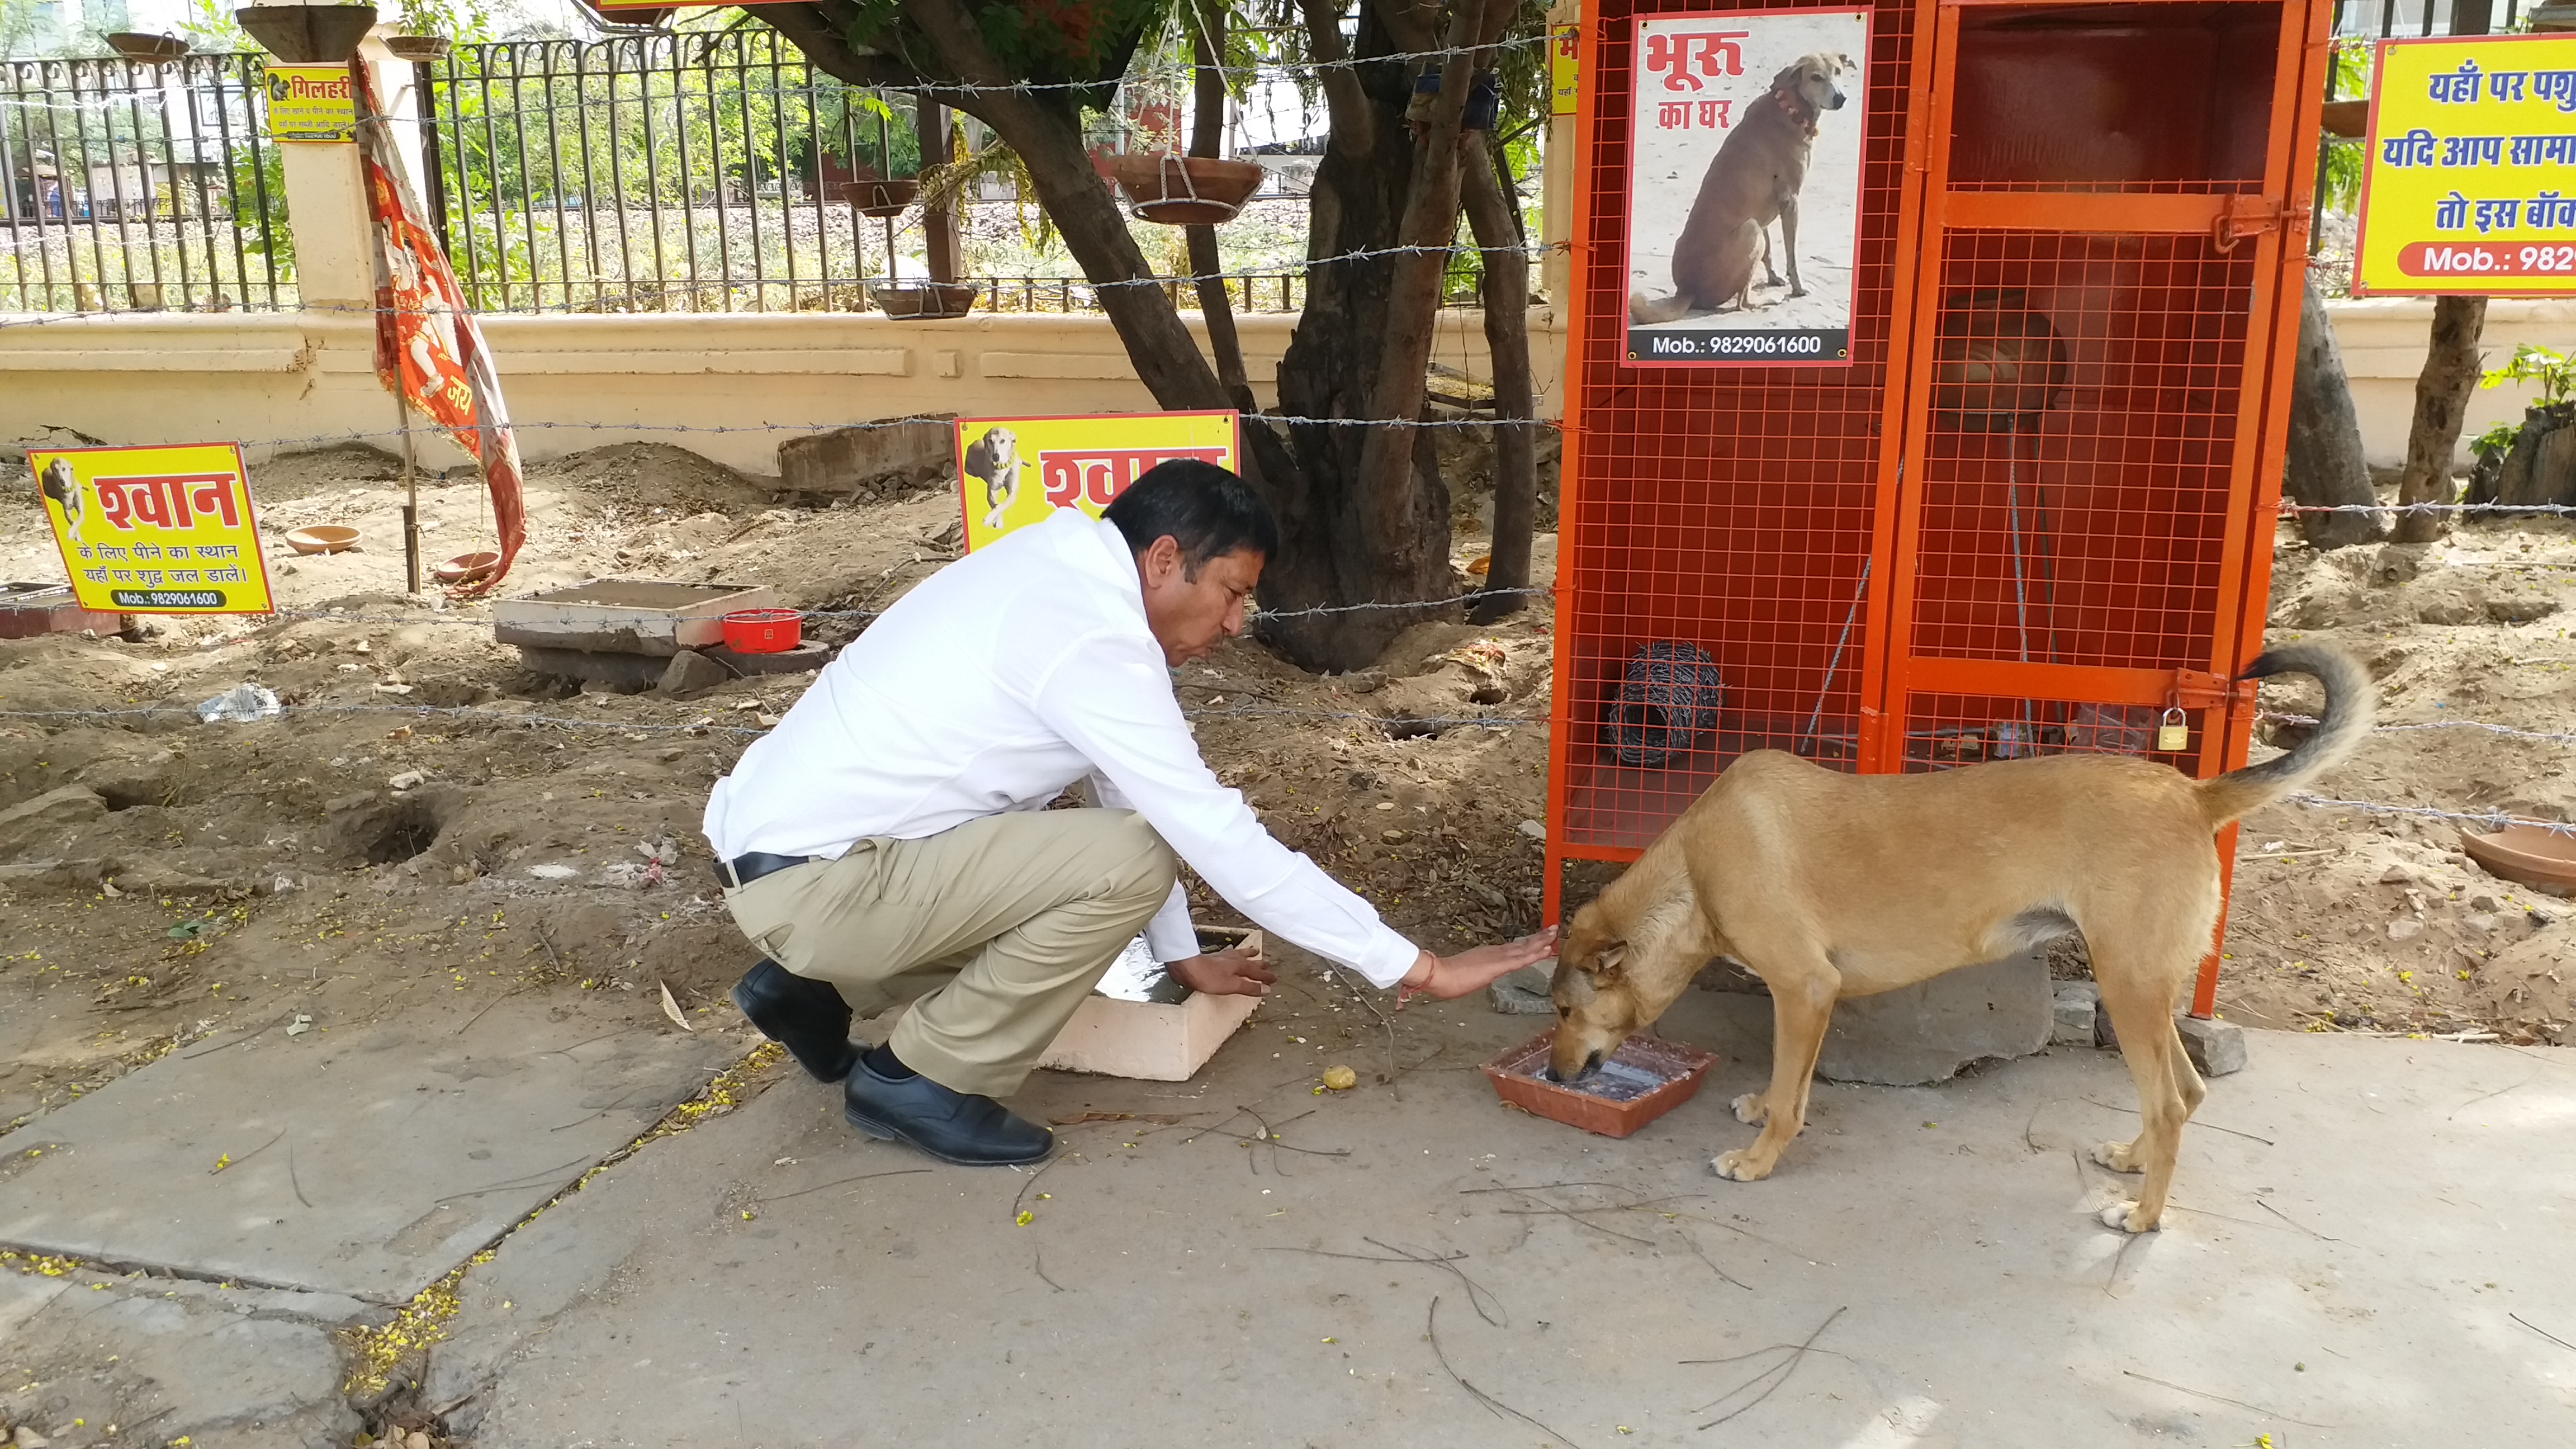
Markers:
1494,1406
1783,1369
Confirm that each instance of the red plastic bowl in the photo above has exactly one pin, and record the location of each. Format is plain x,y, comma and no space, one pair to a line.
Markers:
763,631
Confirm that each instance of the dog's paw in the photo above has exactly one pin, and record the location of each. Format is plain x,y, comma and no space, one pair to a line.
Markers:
1750,1111
1738,1167
2116,1156
2126,1217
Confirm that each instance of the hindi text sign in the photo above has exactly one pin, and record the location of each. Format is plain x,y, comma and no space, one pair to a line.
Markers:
161,530
1564,68
311,103
1012,472
2469,183
1722,269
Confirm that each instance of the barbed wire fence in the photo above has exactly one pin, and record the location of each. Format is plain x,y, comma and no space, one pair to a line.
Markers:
475,715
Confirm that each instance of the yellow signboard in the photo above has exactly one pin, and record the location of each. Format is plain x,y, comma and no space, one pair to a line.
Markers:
311,103
155,530
2470,181
1012,472
1564,50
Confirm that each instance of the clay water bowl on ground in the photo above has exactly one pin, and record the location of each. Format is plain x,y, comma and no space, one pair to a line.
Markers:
1647,1077
466,567
322,538
2542,859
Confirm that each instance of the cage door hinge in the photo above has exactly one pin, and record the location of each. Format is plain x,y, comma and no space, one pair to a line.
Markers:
2193,689
2242,216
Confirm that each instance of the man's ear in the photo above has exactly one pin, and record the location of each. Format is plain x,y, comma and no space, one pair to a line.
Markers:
1160,560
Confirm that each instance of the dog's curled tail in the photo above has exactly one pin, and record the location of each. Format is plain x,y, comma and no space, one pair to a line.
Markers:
1645,309
2352,704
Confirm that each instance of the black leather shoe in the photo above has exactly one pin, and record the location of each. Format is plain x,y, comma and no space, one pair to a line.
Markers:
806,1016
951,1126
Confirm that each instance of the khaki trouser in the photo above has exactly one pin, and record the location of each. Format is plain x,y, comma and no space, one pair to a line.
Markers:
994,930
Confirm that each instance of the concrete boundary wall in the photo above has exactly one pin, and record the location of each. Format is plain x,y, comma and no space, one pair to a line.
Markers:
174,377
177,377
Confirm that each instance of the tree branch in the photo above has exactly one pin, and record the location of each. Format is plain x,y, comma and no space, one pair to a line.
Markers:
1430,221
1353,121
821,30
1048,136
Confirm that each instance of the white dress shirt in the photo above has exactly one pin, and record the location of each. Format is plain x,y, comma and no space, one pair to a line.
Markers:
991,687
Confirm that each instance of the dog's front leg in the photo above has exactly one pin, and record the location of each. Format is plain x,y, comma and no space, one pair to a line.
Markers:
1789,242
1770,273
1801,1006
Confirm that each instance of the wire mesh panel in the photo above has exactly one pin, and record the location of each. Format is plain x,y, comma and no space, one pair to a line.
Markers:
1720,521
2078,513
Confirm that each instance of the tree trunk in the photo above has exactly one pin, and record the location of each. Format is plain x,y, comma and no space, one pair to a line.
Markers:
1493,216
2326,467
944,251
2441,402
1045,127
1207,138
1363,518
1364,521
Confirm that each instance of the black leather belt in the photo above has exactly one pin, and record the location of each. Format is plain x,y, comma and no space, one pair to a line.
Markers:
743,869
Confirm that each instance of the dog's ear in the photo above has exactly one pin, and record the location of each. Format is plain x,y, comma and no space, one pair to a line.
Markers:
1607,963
1787,79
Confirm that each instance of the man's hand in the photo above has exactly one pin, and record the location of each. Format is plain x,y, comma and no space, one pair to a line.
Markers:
1470,971
1235,971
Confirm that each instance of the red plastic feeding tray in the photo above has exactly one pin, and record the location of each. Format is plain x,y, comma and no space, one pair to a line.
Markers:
1647,1077
763,631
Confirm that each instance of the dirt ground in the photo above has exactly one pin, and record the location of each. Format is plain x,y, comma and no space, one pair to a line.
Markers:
456,824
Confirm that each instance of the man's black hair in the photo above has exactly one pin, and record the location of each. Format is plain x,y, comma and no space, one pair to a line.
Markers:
1206,509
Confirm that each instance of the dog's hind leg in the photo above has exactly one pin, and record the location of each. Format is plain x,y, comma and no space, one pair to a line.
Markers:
1803,986
2140,997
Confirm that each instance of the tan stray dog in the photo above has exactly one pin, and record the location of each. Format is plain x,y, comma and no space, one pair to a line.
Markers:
1829,885
1753,181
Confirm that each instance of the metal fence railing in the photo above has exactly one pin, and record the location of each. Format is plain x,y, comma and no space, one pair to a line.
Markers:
134,187
692,171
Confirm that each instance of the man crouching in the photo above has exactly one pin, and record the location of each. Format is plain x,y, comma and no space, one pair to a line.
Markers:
888,841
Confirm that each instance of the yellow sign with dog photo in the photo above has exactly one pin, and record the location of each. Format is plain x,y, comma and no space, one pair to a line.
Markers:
1744,187
162,530
1012,472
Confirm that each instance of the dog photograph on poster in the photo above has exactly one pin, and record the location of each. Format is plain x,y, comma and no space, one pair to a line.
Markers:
1744,203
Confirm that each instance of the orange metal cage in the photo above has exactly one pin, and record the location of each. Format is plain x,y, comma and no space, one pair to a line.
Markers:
1890,572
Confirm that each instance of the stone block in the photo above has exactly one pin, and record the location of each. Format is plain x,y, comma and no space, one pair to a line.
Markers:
1926,1032
689,671
891,453
1524,992
2077,1004
2216,1047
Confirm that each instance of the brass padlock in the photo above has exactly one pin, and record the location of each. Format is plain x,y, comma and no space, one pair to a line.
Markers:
2174,733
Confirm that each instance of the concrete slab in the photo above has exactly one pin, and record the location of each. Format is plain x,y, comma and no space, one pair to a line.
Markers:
113,1361
364,1162
2357,1224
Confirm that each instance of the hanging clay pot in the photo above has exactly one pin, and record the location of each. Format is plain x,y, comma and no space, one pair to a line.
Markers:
308,34
881,198
147,49
925,301
418,49
1186,190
